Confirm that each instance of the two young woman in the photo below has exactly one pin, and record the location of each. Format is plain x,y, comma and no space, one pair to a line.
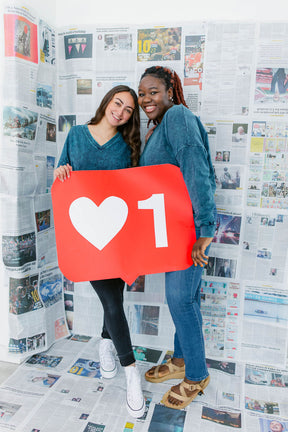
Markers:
179,138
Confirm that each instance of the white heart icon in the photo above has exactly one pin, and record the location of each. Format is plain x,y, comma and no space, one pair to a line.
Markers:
98,224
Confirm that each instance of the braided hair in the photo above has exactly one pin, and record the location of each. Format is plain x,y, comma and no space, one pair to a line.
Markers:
170,79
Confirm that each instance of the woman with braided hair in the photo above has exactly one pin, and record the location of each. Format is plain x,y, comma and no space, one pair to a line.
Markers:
179,138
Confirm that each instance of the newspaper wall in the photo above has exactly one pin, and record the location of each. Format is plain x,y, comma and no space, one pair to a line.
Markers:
31,283
235,77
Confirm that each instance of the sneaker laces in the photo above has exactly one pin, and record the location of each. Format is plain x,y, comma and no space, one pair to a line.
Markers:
134,391
106,354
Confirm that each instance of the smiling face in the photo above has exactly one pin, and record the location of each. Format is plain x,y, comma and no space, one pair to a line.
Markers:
120,109
275,426
153,97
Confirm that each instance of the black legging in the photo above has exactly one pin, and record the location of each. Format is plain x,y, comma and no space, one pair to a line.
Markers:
115,326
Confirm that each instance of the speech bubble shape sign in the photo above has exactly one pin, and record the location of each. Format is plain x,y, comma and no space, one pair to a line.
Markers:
123,223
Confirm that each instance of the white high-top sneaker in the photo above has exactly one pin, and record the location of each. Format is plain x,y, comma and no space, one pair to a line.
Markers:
108,366
135,401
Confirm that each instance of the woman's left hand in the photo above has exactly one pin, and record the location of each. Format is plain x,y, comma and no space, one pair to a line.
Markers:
198,251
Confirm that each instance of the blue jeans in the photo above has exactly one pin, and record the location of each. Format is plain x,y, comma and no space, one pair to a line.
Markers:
183,298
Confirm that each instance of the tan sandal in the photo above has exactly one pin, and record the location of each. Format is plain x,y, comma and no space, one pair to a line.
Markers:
183,398
173,372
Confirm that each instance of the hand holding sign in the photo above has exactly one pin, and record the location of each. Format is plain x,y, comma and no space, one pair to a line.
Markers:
123,223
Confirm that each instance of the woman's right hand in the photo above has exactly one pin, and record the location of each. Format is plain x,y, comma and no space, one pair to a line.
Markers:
62,172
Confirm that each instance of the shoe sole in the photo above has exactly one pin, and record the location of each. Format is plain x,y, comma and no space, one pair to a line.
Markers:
108,374
190,399
169,376
136,413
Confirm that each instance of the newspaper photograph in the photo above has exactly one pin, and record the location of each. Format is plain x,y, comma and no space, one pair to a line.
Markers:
159,44
22,30
47,43
75,49
194,39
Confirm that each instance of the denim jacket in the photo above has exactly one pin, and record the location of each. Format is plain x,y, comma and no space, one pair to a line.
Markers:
180,139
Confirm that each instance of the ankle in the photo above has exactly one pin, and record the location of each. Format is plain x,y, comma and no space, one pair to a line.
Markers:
178,361
190,381
131,371
132,364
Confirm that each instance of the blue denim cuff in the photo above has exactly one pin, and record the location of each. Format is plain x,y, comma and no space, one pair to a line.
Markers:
207,230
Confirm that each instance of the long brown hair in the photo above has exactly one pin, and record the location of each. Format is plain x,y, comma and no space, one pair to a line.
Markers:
130,130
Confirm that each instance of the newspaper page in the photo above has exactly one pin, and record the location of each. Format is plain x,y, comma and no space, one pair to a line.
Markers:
228,140
267,182
75,49
230,180
31,277
21,53
115,49
265,397
193,54
264,244
220,308
270,96
229,61
265,313
76,92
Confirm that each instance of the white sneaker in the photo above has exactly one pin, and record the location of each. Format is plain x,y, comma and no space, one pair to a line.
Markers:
108,366
135,401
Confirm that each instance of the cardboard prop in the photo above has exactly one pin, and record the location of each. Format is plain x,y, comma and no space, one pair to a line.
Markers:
123,223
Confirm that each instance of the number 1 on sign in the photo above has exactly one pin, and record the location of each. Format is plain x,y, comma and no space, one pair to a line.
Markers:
157,204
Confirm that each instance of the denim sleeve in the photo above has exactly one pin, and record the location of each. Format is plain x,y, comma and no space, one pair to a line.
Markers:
192,162
192,157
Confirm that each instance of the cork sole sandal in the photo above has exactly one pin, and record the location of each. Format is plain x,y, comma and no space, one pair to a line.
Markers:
183,397
173,372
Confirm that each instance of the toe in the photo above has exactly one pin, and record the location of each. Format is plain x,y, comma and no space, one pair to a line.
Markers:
150,372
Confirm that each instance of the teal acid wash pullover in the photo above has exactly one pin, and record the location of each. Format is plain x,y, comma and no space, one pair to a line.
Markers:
180,139
82,152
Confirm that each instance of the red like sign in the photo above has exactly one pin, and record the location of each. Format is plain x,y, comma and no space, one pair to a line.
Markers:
123,223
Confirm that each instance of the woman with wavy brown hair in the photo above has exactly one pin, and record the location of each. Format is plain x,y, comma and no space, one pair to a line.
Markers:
130,131
110,140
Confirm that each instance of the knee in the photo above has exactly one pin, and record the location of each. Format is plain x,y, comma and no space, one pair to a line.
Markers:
114,311
182,299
